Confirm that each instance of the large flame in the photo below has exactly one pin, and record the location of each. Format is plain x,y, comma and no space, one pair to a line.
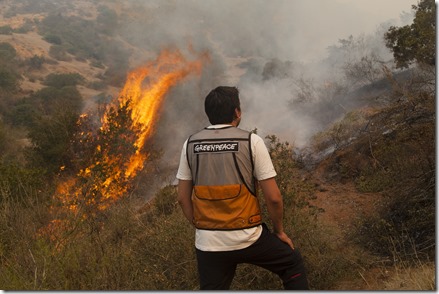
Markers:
168,70
143,95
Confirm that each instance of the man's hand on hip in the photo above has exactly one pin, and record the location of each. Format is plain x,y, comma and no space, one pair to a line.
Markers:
284,238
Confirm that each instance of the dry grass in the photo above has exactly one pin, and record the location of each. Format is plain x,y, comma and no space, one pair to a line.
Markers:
128,248
124,249
420,277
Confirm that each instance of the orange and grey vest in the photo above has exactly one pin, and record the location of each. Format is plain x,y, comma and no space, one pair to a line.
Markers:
221,163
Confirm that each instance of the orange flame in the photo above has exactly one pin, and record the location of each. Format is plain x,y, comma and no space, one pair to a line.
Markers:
146,88
168,70
144,93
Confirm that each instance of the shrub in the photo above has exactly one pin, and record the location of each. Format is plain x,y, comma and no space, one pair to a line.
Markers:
36,62
17,182
402,156
53,39
51,136
124,248
317,243
7,52
405,227
22,114
165,201
97,85
63,80
6,30
9,80
59,53
28,26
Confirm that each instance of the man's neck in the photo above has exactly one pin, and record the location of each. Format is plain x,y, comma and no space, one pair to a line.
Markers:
220,126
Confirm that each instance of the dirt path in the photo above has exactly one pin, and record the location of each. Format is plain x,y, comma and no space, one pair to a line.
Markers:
342,207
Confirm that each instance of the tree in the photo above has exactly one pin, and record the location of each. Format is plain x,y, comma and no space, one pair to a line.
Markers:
415,42
51,137
9,80
6,30
51,116
9,75
59,53
103,158
36,62
52,38
7,52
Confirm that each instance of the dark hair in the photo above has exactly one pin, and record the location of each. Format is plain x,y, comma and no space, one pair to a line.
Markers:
220,104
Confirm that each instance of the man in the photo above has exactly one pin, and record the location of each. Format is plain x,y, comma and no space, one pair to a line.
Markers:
220,167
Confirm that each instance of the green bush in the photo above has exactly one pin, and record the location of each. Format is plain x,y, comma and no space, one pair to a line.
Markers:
28,26
23,113
84,39
59,53
7,52
63,80
36,62
52,100
6,30
51,137
52,38
9,80
78,36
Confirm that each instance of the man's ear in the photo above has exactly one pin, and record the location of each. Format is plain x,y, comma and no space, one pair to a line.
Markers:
237,113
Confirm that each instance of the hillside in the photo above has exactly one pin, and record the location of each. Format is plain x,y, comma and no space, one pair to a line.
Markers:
21,22
86,189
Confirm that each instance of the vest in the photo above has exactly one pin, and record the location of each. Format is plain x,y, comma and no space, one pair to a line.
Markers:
224,195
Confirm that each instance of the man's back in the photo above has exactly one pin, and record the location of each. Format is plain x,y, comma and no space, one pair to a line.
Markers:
219,167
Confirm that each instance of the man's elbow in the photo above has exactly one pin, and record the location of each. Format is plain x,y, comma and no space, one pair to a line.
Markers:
271,191
274,199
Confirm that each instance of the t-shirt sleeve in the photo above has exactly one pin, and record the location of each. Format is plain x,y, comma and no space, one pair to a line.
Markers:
264,168
184,172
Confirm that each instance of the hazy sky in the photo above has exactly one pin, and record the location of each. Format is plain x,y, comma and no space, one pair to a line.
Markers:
284,29
312,26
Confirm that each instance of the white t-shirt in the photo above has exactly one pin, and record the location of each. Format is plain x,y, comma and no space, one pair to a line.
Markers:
211,240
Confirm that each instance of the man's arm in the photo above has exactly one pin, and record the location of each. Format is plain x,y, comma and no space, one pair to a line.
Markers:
184,198
274,202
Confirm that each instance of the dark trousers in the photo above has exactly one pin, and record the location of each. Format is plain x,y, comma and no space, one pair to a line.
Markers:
216,269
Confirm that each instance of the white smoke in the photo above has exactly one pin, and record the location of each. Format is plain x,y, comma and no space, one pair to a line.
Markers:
242,36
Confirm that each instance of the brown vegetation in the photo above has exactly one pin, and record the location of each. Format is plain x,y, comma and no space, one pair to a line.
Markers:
359,203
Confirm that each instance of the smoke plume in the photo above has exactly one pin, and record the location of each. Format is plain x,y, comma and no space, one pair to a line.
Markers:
284,57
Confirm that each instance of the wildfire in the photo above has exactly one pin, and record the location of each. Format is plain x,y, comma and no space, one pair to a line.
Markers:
146,102
107,178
